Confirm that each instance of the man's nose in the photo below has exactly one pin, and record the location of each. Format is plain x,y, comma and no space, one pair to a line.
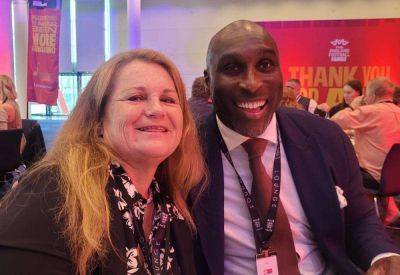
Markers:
251,81
154,108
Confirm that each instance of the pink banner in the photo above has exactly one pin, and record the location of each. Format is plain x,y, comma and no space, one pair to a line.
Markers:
5,38
43,48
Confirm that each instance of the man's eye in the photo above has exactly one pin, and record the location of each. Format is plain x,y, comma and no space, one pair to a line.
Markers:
265,65
231,68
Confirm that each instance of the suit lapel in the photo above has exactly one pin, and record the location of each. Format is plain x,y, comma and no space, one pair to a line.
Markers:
313,181
209,209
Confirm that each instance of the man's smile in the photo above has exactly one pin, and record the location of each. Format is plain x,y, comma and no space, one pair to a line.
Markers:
252,106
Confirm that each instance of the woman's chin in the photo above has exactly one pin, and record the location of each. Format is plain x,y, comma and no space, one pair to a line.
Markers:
155,153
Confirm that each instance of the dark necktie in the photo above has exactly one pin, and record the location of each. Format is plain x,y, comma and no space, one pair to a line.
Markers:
281,240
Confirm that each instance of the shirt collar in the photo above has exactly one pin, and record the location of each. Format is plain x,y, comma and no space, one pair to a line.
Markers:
233,139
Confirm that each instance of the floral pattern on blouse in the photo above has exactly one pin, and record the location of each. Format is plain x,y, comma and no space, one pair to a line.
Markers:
125,192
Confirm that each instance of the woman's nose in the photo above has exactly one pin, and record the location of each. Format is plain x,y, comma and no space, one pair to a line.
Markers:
154,108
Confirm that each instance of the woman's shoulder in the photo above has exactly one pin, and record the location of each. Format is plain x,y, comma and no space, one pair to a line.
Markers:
336,108
28,216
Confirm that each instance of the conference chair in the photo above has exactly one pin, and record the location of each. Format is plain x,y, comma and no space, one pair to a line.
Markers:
10,157
390,176
35,147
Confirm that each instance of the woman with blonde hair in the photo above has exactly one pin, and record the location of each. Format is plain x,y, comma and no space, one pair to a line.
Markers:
110,195
8,95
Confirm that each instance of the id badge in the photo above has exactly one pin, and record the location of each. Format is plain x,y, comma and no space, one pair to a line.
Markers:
267,264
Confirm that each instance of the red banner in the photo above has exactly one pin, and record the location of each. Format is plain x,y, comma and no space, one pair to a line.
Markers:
324,54
43,48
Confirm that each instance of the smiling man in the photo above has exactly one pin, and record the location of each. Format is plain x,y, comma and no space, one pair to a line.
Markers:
285,190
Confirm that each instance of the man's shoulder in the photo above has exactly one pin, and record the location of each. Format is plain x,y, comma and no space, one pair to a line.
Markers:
308,124
377,110
301,117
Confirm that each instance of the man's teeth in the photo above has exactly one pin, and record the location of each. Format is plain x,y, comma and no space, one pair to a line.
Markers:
251,104
152,129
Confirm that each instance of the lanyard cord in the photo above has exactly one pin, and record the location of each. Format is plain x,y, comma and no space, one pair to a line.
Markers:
263,228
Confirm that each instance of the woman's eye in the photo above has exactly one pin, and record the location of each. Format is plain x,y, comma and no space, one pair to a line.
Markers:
169,100
136,98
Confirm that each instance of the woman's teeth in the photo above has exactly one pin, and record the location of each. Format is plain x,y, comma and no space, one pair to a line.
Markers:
152,129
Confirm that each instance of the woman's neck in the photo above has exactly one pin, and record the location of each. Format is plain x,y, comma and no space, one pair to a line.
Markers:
141,176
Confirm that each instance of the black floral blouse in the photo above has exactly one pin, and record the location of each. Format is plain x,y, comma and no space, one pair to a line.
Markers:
131,206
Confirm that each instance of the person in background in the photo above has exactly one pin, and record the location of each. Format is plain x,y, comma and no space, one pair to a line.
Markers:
110,196
200,102
308,104
285,186
396,96
8,95
351,90
376,128
3,119
289,99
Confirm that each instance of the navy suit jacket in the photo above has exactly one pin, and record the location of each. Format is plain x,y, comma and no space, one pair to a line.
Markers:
320,156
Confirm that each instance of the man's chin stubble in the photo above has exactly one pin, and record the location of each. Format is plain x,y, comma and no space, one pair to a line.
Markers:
250,131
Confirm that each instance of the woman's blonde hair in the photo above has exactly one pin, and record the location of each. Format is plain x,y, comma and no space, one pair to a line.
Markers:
7,87
289,99
81,158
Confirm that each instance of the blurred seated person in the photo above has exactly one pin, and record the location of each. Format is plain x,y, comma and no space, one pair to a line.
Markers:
3,119
8,95
351,90
109,198
396,96
200,102
289,99
377,127
308,104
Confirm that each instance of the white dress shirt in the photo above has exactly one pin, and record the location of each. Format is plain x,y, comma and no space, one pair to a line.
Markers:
311,106
239,243
239,239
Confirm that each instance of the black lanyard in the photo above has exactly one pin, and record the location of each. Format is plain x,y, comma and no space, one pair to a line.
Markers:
263,228
153,256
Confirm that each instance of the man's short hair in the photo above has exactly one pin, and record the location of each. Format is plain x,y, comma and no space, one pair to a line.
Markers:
294,80
199,88
381,87
293,83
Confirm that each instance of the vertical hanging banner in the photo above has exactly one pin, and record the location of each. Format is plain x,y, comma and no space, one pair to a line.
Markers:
43,48
324,54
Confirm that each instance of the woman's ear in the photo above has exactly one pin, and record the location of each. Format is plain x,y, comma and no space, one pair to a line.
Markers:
100,130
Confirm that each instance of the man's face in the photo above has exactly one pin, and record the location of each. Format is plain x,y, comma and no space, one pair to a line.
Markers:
245,80
294,86
369,97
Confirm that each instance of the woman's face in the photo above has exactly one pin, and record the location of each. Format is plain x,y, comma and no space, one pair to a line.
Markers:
143,118
349,94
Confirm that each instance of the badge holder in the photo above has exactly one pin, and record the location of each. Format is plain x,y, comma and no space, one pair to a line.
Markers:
267,262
